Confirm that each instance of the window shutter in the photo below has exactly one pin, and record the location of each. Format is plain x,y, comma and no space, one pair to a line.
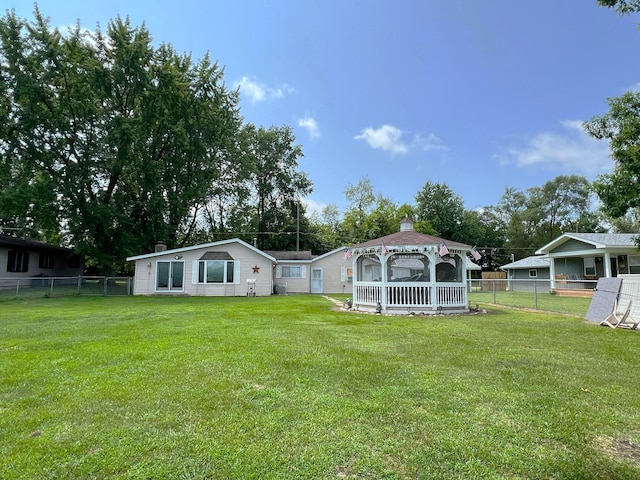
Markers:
194,272
343,274
303,271
279,271
236,272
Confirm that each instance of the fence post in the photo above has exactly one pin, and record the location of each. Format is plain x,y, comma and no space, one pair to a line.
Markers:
51,289
535,294
128,285
17,288
105,286
79,284
493,287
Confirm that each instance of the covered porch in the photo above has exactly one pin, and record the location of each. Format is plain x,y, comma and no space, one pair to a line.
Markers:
578,260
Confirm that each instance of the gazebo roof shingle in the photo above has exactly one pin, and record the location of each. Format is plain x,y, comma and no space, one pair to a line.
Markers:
410,238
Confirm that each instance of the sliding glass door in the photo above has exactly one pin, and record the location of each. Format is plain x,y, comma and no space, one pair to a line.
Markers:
169,276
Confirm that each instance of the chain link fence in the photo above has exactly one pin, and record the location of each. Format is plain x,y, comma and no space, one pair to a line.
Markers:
571,299
38,287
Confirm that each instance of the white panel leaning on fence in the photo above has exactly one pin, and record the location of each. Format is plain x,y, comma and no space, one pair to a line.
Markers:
626,311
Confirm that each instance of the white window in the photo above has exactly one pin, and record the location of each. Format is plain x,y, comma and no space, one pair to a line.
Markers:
346,274
634,263
18,261
590,266
533,273
216,271
291,271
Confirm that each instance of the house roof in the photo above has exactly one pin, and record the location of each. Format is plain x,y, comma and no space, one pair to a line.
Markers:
15,242
332,252
535,261
286,255
201,246
598,240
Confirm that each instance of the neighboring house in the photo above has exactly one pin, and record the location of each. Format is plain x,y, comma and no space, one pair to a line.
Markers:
535,267
225,268
576,257
522,273
474,271
23,258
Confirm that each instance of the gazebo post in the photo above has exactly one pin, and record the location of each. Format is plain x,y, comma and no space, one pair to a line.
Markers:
383,281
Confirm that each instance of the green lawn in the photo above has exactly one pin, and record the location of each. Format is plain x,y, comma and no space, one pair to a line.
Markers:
284,387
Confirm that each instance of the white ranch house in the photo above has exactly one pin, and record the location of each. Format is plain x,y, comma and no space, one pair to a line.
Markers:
235,268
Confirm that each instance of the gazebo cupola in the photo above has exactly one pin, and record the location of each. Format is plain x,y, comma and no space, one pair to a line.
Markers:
410,272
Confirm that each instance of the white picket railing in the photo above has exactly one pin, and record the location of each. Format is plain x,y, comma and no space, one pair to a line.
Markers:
410,295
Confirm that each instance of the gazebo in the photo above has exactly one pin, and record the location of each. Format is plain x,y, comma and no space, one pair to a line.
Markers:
410,273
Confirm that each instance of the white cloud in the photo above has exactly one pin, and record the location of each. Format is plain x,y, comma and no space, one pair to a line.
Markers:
387,138
313,206
428,142
311,125
258,92
571,150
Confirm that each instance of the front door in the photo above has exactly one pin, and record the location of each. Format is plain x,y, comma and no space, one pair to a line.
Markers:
169,276
316,281
614,267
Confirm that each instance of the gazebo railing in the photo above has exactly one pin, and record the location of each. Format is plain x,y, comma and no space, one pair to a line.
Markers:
408,295
452,295
411,294
367,293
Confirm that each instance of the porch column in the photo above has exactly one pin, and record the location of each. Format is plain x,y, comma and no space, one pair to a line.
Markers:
607,264
552,271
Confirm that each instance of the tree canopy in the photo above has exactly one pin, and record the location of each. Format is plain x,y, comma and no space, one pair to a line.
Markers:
110,144
618,190
622,6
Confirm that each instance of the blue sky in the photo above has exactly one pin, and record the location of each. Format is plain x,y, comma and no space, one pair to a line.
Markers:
478,94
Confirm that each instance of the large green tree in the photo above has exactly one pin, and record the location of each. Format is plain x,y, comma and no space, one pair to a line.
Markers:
276,185
106,140
619,190
556,206
437,204
534,217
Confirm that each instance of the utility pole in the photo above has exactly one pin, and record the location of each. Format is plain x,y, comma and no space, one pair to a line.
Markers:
298,226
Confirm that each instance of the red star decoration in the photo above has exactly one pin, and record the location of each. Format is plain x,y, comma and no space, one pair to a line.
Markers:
256,269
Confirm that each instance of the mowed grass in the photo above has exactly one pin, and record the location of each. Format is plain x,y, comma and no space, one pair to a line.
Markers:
284,387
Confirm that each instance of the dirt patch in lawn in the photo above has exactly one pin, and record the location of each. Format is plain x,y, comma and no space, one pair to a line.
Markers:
622,448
